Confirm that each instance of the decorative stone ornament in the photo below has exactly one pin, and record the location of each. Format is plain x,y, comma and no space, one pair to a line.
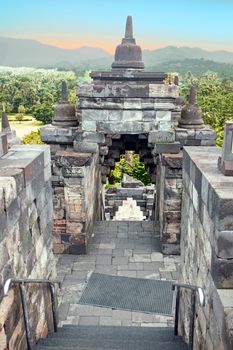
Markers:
64,112
12,138
128,54
225,163
5,121
191,115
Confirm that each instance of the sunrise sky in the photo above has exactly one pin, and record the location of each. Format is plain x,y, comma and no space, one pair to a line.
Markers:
100,23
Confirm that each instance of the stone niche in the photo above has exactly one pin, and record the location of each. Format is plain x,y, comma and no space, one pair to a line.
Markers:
168,200
207,247
77,198
25,240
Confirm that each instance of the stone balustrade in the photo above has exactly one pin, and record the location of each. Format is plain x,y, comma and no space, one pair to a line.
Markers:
25,240
207,246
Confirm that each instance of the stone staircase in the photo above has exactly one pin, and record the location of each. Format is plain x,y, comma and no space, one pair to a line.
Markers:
129,211
134,247
71,337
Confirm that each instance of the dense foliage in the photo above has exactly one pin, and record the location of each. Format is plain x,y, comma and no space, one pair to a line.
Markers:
134,168
35,90
215,97
196,66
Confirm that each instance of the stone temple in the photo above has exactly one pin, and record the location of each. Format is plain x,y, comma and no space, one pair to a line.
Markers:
55,239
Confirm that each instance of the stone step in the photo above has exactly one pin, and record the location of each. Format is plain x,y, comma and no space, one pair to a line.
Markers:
132,333
141,346
66,343
160,346
112,338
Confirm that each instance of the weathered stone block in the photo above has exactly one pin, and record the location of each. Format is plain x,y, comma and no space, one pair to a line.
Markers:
73,171
103,150
86,147
94,115
163,90
70,158
120,128
205,134
88,125
132,115
161,136
133,104
9,191
224,244
164,116
35,148
90,137
148,115
166,148
115,115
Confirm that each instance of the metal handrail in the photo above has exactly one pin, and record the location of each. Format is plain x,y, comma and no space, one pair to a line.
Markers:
21,282
195,290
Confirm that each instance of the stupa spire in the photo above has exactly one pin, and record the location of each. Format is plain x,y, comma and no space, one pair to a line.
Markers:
192,96
64,92
5,121
129,28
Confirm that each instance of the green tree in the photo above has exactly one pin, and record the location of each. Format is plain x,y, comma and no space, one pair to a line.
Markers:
21,111
137,169
43,113
215,97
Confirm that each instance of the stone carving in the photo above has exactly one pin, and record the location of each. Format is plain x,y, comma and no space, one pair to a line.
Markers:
64,113
128,54
191,115
12,138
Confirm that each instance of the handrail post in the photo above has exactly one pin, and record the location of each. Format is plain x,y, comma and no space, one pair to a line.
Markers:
177,310
192,319
194,291
25,315
51,289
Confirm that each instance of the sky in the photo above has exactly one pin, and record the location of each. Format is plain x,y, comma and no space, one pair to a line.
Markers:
100,23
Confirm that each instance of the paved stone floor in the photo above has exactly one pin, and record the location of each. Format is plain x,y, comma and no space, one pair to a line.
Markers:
117,248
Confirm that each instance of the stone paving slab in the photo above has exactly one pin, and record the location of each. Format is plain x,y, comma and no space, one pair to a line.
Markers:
118,248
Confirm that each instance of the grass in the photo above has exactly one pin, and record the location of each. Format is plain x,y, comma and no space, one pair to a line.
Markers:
25,127
26,123
27,117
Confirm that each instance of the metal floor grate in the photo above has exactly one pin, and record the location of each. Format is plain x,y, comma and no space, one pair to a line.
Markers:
134,294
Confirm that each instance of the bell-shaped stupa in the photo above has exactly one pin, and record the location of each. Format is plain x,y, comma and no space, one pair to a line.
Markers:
128,54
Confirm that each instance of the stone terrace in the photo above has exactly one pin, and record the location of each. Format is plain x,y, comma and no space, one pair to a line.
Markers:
117,248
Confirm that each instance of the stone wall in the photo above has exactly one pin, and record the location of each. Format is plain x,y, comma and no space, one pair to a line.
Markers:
77,198
3,144
144,196
127,103
168,200
25,240
207,247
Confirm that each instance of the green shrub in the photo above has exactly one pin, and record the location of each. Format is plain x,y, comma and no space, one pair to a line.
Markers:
19,117
43,113
137,170
33,138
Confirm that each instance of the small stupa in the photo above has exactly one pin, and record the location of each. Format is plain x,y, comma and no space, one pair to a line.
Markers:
191,114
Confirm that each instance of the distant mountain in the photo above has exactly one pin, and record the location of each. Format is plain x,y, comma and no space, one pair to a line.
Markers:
173,53
32,53
195,66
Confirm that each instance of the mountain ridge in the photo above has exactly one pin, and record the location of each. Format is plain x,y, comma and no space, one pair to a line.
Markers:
32,53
